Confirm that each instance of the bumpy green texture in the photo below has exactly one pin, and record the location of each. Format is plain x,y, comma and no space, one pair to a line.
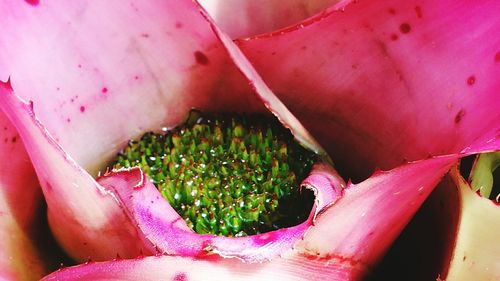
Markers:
225,174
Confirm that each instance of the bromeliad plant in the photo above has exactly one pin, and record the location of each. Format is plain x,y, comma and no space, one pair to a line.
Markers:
361,76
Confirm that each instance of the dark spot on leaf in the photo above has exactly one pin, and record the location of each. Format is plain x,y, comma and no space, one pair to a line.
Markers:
400,75
464,258
459,116
145,35
104,90
303,48
82,109
471,80
181,276
497,57
178,25
405,28
33,2
418,11
201,58
68,120
14,139
369,27
392,11
394,37
383,48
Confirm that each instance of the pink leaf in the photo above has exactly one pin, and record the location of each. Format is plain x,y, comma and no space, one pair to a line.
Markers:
20,199
88,74
344,244
84,217
389,81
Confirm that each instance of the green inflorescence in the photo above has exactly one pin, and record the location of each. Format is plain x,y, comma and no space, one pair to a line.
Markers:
226,174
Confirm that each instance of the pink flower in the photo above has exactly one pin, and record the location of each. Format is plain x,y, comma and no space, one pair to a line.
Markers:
377,83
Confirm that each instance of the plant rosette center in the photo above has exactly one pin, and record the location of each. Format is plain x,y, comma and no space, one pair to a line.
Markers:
236,186
225,174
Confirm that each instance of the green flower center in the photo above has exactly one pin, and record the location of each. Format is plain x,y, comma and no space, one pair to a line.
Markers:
226,174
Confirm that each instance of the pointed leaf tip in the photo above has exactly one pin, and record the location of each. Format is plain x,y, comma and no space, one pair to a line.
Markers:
8,83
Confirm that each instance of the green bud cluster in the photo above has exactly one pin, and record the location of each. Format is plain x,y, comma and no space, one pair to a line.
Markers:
225,174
